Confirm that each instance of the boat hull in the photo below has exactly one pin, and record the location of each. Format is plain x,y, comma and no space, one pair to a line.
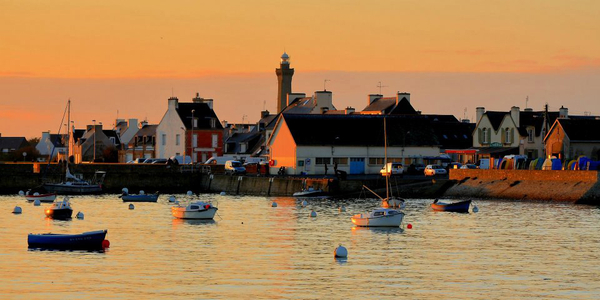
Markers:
86,241
67,189
381,221
310,194
41,198
140,198
182,213
59,214
462,207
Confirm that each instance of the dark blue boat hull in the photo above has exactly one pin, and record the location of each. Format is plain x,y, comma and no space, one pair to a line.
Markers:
86,241
462,206
59,214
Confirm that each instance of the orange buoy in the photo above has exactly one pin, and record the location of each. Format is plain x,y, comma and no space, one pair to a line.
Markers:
409,226
105,244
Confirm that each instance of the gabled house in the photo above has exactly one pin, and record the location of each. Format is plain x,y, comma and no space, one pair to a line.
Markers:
191,129
96,144
316,144
12,144
142,145
55,144
379,105
126,130
569,138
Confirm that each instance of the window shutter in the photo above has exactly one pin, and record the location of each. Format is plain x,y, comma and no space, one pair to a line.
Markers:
512,135
480,135
489,135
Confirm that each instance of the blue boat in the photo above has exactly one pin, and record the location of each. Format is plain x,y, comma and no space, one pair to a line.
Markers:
93,240
462,206
140,198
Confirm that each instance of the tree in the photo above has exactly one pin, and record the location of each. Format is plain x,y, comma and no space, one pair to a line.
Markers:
110,154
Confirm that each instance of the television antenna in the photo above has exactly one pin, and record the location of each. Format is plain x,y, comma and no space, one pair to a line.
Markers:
325,84
527,102
381,86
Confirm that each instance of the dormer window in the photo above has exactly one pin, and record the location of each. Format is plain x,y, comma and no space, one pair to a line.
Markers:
213,123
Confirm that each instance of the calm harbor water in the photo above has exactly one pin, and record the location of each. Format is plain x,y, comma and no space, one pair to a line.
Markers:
508,250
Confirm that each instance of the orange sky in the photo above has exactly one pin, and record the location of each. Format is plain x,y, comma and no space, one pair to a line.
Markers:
110,51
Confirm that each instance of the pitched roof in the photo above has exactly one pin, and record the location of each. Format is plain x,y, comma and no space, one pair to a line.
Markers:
359,130
581,129
202,112
454,135
12,142
58,140
147,130
384,104
496,118
404,108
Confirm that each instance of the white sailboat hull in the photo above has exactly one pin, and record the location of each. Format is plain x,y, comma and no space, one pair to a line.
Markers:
183,213
379,221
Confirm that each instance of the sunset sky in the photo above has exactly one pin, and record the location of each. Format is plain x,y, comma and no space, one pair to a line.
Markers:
130,56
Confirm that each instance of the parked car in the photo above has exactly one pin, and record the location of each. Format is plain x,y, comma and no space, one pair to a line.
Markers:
139,160
392,169
469,166
453,165
233,167
149,160
432,170
159,161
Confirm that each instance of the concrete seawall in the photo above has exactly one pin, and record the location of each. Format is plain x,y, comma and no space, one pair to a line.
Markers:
569,186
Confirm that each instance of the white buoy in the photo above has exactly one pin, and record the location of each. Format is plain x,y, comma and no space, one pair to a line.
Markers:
223,194
172,199
313,214
304,203
189,193
21,193
142,192
131,206
274,204
80,215
17,210
475,209
342,209
125,190
37,202
36,194
340,252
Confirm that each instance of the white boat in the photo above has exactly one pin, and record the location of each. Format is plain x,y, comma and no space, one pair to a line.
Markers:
195,210
40,197
60,210
380,217
310,193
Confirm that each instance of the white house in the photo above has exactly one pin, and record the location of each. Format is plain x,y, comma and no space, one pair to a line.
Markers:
55,144
316,144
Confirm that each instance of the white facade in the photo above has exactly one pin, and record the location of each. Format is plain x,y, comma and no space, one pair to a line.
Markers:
45,147
168,129
129,133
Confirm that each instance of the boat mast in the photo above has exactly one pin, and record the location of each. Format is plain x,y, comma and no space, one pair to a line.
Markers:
387,176
68,135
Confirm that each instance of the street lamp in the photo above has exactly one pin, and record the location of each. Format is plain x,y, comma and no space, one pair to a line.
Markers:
193,153
183,142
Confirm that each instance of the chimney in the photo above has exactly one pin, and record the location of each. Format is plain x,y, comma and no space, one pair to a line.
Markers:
563,113
466,121
323,99
224,123
132,122
264,114
350,110
373,98
324,109
480,111
399,97
197,99
529,109
291,97
143,123
515,114
173,103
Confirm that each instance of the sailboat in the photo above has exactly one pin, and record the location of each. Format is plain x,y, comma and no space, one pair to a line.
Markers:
384,216
71,184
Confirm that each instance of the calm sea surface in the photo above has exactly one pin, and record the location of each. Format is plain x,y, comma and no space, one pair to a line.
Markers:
508,250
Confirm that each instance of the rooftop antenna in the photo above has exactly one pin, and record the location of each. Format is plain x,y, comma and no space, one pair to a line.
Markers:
526,102
465,114
325,84
381,86
264,105
172,92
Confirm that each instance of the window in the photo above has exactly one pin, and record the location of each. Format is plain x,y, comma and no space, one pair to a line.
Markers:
323,160
376,160
301,163
340,160
195,122
530,135
484,136
507,135
215,140
177,138
112,140
164,139
213,123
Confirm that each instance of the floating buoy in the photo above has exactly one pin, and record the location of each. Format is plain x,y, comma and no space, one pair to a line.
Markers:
189,193
172,199
313,214
36,194
105,244
80,215
21,193
475,209
342,209
36,202
142,192
131,206
125,190
340,252
17,210
223,194
304,203
409,226
274,204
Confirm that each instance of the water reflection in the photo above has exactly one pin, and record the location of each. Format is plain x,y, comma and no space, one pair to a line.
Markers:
178,222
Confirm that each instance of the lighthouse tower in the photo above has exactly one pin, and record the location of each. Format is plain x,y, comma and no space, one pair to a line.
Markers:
284,81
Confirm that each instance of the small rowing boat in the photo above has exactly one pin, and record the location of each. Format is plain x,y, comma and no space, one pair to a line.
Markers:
93,240
462,206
